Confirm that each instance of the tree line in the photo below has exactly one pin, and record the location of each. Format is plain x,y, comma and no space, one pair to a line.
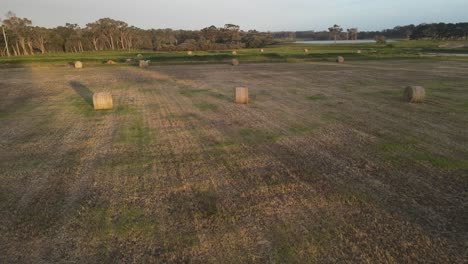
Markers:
19,37
435,31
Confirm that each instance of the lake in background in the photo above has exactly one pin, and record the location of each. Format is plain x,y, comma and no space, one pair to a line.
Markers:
339,41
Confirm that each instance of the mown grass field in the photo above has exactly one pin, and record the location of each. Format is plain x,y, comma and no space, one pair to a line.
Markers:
327,163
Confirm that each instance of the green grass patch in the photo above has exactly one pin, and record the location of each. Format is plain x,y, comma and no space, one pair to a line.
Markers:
128,163
20,109
256,136
125,222
219,96
399,152
316,97
206,202
191,92
206,106
135,133
440,161
302,129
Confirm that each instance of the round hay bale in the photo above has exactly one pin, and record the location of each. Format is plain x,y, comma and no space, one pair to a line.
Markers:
189,52
359,52
306,50
241,95
144,63
339,59
234,53
234,62
415,94
111,62
102,101
139,56
261,50
78,65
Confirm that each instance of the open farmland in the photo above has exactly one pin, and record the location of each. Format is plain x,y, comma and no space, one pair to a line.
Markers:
325,164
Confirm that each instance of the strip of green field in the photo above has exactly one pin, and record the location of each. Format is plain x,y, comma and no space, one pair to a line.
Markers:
286,52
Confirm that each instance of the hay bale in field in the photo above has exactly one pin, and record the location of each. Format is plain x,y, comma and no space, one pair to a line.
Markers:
190,52
241,95
139,56
339,59
102,101
144,63
415,94
261,50
359,52
306,50
111,62
234,62
78,65
234,53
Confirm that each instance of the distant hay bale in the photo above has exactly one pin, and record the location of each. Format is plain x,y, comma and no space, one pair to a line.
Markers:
78,65
111,62
102,101
306,50
189,52
339,59
241,95
144,63
415,94
234,62
234,53
261,50
359,52
139,56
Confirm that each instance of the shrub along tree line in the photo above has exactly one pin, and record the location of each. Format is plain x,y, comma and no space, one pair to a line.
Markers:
19,37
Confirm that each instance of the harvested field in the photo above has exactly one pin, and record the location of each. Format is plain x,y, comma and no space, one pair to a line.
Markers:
327,163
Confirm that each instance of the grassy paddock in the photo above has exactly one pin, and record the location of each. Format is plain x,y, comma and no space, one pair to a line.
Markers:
275,53
327,163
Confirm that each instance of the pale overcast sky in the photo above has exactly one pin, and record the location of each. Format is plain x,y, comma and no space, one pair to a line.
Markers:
263,15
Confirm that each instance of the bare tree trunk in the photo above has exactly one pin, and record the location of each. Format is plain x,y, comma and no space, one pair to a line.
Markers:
112,42
41,44
129,43
23,46
30,46
6,42
122,41
14,50
95,43
80,46
18,49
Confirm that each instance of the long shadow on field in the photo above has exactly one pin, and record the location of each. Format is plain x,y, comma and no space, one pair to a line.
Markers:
82,91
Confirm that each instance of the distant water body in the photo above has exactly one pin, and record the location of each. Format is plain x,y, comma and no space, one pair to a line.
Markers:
339,41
